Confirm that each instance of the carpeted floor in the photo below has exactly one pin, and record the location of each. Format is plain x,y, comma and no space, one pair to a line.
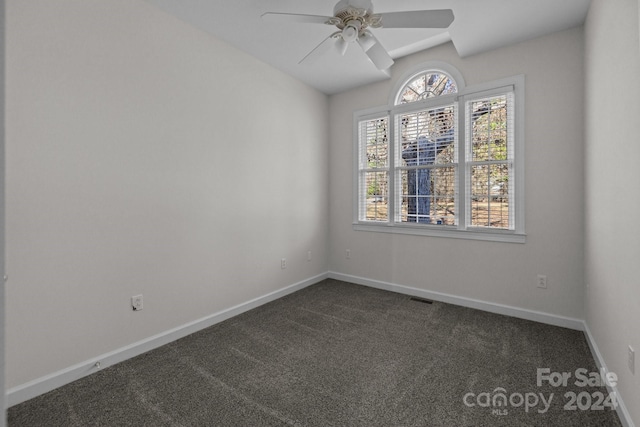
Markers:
338,354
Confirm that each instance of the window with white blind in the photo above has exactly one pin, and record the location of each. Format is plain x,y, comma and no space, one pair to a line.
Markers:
374,172
490,152
443,159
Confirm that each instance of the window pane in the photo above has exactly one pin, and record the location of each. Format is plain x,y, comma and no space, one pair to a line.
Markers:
427,190
376,142
428,195
373,182
427,85
374,203
428,137
490,130
490,195
490,149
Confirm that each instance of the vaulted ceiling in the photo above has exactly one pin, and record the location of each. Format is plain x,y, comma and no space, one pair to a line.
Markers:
479,26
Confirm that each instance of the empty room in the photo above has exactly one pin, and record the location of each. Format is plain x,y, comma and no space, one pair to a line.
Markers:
330,213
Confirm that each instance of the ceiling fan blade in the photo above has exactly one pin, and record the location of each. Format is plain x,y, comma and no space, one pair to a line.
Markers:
342,45
376,53
440,18
319,50
367,40
295,18
379,56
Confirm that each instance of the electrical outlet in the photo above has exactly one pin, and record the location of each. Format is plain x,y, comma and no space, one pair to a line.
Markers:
348,254
542,281
283,263
309,256
631,354
136,302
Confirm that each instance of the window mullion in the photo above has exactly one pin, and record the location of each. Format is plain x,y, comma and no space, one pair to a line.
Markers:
462,184
391,159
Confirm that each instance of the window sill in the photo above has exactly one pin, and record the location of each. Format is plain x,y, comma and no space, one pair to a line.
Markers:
504,236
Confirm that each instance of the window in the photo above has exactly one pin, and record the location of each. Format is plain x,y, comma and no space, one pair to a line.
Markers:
425,85
489,131
374,175
443,159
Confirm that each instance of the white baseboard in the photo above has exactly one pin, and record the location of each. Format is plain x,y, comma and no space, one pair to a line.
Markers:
57,379
521,313
52,381
623,413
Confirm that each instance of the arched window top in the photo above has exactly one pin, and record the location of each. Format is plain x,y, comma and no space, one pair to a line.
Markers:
426,84
427,80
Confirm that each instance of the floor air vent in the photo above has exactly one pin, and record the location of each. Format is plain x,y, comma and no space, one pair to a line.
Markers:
426,301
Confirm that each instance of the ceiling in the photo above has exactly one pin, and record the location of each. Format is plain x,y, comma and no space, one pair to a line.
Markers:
479,26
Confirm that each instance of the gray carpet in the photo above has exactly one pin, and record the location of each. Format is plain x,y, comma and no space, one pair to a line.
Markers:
335,354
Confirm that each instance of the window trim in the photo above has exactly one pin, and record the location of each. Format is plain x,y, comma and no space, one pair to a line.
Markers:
465,93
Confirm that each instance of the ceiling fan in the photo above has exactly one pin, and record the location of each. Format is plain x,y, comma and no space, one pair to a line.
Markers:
354,19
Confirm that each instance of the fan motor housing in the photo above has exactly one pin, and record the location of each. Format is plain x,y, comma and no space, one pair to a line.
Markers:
355,4
349,10
356,13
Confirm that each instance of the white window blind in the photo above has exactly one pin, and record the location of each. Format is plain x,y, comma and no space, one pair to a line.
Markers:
374,170
426,162
490,155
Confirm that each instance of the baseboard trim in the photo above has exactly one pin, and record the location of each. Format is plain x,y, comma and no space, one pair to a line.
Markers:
50,382
521,313
621,410
57,379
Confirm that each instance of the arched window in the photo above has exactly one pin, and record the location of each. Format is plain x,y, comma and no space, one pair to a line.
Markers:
442,159
426,84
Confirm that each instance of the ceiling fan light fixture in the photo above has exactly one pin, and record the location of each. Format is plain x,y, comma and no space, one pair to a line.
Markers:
351,30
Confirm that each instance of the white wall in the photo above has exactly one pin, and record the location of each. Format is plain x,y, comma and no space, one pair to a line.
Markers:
612,255
3,402
144,156
502,273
